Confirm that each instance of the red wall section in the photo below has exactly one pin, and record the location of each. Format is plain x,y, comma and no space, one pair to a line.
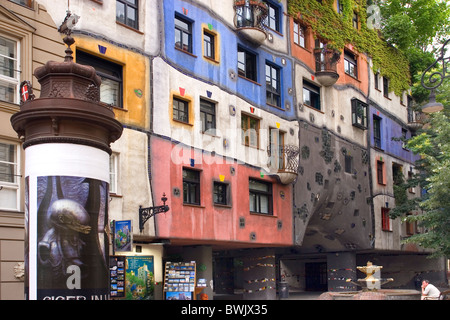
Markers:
209,222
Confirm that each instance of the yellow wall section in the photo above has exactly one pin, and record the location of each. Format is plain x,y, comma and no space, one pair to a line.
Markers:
135,111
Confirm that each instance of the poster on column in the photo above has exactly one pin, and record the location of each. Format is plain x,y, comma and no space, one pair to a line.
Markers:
72,243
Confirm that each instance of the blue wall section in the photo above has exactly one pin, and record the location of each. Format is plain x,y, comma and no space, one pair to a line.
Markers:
390,129
219,74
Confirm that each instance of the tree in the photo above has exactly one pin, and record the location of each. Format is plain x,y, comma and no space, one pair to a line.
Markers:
432,144
418,28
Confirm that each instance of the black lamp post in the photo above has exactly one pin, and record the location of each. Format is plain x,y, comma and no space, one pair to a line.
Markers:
147,213
435,80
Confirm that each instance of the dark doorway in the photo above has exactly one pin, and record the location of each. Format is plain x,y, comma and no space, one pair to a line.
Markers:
223,276
316,276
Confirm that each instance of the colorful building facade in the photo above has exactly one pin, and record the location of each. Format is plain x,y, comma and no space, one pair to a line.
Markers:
265,141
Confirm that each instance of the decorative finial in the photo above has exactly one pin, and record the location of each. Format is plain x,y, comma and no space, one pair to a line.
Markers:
66,28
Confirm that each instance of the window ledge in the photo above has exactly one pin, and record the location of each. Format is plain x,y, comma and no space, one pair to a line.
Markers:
182,122
250,80
312,108
263,214
225,206
193,205
128,27
187,52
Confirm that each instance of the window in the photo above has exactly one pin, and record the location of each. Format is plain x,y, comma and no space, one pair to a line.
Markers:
377,131
355,20
348,164
377,83
273,82
250,131
385,220
127,12
180,110
246,64
411,226
404,134
340,6
386,87
9,173
209,44
380,172
220,193
299,34
411,189
359,114
191,186
111,75
276,146
273,16
208,116
113,167
183,34
260,196
350,64
311,95
9,70
26,3
409,106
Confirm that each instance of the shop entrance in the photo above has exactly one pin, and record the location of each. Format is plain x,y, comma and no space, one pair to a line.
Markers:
316,276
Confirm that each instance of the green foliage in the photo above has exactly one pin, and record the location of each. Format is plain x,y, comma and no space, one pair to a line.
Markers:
337,29
433,147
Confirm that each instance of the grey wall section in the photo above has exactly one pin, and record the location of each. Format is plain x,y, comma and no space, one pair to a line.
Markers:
332,210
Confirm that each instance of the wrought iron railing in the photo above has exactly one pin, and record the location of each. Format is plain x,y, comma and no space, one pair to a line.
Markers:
326,59
250,14
284,158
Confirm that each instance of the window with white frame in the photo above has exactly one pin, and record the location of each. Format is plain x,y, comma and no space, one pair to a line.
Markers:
113,172
9,176
9,70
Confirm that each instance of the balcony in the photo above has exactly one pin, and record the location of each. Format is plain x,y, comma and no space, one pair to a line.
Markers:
416,120
249,20
326,62
284,162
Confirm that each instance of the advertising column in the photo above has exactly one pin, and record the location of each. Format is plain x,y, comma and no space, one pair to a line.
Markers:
66,135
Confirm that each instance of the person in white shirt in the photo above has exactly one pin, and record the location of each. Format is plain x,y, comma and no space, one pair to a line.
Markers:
429,292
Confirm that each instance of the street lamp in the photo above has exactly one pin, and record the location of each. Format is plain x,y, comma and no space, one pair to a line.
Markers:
435,80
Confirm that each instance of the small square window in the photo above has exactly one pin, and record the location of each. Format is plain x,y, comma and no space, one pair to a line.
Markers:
385,219
348,164
311,95
209,45
111,75
127,12
180,110
191,186
386,87
250,131
273,16
260,196
247,64
380,172
183,34
299,34
273,90
359,114
220,193
350,64
208,116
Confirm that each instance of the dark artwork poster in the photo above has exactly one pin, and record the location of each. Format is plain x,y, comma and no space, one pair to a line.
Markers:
72,242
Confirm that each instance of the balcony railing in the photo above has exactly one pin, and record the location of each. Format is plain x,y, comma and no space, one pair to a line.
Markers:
284,161
326,65
249,19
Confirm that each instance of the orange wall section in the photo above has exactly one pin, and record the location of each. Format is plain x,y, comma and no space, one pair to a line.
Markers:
306,55
208,222
136,79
